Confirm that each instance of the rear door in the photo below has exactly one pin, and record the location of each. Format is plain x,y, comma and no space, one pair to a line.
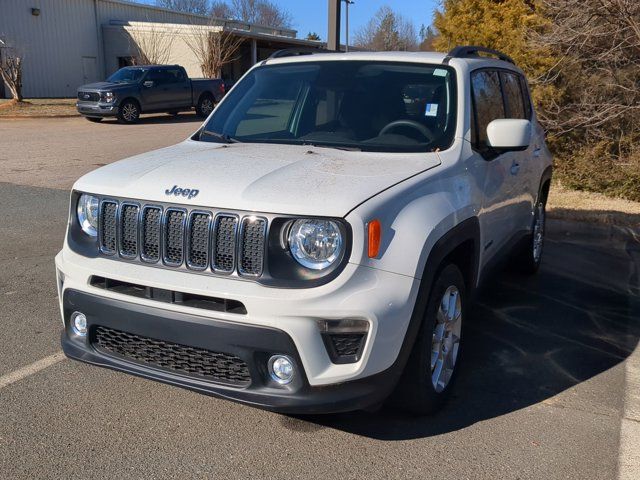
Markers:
499,205
524,168
177,87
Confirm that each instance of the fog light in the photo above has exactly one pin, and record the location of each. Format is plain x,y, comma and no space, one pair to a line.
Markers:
79,323
281,369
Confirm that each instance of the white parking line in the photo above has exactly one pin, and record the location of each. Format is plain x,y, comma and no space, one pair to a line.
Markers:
29,370
629,454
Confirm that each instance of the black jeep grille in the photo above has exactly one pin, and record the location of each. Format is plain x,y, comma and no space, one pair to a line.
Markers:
129,230
107,227
177,238
174,237
252,249
191,361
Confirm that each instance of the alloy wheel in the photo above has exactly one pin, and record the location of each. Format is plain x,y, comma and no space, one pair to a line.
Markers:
445,342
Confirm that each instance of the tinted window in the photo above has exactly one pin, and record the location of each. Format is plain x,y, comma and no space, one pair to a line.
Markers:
174,75
513,95
528,110
127,75
373,106
487,97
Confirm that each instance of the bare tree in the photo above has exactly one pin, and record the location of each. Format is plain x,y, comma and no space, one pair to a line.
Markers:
261,12
386,31
598,44
220,9
11,69
199,7
213,47
151,42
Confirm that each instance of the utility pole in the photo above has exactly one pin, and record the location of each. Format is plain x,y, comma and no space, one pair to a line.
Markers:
333,37
348,2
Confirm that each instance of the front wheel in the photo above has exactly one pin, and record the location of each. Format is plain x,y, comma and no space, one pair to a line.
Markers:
432,366
129,112
205,106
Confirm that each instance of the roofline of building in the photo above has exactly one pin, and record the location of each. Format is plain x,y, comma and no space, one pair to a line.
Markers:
195,15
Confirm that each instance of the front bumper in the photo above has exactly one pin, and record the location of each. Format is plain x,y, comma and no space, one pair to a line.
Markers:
97,109
253,345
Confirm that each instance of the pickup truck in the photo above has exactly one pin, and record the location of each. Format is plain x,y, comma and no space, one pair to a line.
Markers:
148,89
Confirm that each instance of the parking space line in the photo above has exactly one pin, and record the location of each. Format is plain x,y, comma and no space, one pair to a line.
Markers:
29,370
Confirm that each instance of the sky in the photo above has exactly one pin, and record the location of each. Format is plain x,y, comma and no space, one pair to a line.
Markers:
311,15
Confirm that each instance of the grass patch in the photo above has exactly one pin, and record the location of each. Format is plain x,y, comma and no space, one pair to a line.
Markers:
38,107
568,204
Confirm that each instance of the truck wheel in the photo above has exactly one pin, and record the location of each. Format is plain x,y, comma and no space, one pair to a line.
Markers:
432,366
205,106
528,258
94,119
129,112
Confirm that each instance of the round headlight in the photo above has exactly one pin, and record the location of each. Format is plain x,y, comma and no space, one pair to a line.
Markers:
88,214
315,244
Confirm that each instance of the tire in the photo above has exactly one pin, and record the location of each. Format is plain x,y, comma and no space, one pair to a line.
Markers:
94,119
205,106
129,112
426,382
529,257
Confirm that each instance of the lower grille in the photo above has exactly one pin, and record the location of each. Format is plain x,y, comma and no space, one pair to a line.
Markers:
191,361
347,344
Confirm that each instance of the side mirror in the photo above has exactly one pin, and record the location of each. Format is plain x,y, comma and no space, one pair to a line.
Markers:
509,134
148,84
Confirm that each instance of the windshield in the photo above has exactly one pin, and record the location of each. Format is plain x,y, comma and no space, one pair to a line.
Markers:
364,105
127,75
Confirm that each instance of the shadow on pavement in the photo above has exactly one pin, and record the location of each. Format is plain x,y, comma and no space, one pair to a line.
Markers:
528,339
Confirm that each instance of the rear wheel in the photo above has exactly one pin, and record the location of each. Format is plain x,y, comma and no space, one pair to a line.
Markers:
205,106
129,112
94,119
432,366
529,257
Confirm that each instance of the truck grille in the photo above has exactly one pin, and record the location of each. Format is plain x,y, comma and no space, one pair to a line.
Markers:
191,361
173,237
88,96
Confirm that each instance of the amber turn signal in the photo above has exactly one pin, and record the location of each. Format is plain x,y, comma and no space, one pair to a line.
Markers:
375,236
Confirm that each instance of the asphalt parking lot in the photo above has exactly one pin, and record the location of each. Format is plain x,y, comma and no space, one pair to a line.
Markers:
549,387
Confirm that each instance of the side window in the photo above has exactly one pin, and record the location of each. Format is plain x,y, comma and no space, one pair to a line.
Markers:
528,109
513,95
488,103
174,75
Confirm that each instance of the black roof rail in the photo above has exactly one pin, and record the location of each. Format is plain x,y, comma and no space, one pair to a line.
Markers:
470,51
294,52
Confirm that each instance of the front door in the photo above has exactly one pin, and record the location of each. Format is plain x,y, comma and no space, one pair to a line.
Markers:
499,207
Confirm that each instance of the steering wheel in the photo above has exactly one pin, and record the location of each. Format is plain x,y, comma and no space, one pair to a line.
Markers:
408,123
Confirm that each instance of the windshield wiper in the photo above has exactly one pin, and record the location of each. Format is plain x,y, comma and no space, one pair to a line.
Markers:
337,147
222,137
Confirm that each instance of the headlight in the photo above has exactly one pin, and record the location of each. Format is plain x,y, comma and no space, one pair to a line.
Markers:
107,97
88,214
315,244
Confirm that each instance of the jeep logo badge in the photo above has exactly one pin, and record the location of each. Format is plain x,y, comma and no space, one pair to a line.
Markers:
185,192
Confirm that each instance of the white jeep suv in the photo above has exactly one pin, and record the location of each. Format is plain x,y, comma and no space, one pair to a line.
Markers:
313,246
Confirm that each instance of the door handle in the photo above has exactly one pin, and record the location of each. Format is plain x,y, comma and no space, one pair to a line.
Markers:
515,168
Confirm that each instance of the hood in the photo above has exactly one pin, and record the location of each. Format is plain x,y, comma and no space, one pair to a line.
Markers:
285,179
103,86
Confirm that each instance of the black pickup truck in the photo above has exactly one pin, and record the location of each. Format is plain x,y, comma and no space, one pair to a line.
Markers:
148,89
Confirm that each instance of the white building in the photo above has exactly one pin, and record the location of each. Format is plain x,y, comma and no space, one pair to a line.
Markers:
68,43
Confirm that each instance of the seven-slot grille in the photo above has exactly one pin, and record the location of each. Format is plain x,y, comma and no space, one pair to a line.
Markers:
175,237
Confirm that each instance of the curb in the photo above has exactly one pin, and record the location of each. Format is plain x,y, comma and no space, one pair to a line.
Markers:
21,117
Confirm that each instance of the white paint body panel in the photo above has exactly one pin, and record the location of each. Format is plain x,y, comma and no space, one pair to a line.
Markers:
417,197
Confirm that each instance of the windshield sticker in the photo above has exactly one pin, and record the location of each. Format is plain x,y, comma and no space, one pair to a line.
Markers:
440,72
431,110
